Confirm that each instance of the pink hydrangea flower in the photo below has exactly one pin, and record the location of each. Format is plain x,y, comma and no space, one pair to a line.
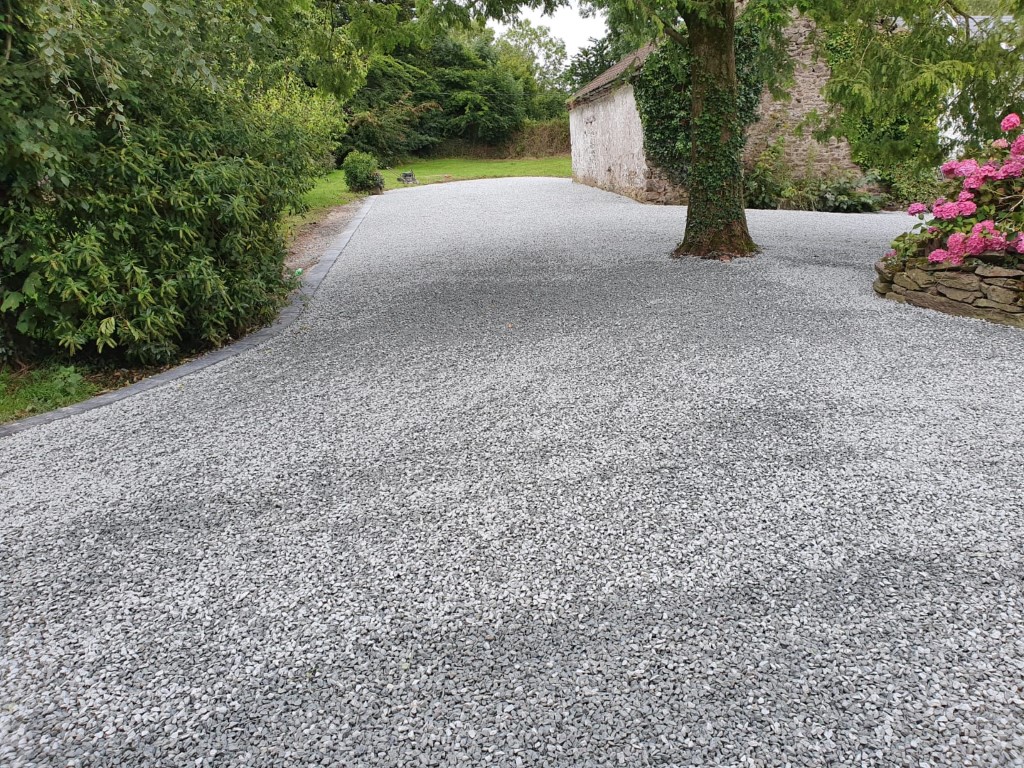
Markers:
1012,169
949,169
916,208
890,254
974,182
966,209
976,245
1000,144
957,244
967,168
1018,244
956,260
938,255
1010,122
984,237
1017,150
946,211
965,196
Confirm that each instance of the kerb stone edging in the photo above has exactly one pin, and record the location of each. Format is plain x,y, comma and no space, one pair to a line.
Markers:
311,281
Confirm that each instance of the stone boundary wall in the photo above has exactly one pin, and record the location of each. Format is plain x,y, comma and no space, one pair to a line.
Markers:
982,291
658,189
608,143
786,118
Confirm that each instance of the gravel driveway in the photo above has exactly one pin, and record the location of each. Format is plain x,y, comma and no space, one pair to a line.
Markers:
519,490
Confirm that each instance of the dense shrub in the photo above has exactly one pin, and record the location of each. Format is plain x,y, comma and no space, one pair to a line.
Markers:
145,226
980,218
361,173
763,184
906,182
461,90
396,113
474,111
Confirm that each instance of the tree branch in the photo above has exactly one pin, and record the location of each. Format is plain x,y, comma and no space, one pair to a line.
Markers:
670,29
10,32
957,11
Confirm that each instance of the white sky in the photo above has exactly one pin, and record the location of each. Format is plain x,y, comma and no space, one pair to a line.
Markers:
567,24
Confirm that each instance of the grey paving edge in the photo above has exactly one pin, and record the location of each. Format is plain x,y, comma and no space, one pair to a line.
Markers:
311,281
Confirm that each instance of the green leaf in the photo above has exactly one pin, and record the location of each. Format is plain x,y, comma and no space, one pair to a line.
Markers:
149,8
11,301
31,285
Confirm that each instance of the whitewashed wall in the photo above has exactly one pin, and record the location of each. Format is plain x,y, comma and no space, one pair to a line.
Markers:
608,143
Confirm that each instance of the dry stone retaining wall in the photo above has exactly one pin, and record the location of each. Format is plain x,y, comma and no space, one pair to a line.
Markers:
982,291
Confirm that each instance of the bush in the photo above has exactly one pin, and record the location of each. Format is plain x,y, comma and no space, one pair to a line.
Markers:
770,184
361,172
490,109
844,193
540,139
907,182
537,138
146,227
763,182
980,218
395,114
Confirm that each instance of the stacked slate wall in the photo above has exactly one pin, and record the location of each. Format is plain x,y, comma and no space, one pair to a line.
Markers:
982,291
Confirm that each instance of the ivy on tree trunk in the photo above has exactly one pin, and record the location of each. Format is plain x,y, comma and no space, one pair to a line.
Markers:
716,225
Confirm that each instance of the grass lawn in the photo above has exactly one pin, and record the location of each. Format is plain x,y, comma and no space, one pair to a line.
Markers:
460,169
332,190
42,389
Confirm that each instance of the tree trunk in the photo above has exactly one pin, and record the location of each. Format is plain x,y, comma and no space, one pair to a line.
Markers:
716,225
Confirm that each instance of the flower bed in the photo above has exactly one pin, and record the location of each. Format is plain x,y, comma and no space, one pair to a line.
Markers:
967,257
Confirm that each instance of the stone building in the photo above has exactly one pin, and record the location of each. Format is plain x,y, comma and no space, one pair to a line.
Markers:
608,139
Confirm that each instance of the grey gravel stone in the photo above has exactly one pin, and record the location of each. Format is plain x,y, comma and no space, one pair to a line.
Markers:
518,490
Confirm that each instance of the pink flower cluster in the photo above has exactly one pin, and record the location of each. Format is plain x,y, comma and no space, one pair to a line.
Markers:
984,237
975,175
964,206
